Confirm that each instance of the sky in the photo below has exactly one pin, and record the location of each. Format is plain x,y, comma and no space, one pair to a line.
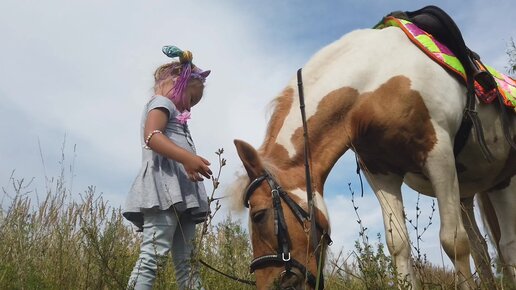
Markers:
75,75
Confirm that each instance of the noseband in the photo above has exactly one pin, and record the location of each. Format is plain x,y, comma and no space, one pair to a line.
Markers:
280,228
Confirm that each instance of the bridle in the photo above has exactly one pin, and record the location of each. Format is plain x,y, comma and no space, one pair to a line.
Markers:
283,255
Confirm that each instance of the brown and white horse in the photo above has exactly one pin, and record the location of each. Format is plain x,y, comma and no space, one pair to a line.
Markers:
377,94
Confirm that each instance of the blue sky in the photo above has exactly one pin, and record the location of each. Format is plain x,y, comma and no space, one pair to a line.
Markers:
84,69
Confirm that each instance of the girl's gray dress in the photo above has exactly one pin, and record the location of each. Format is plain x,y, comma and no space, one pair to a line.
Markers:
162,182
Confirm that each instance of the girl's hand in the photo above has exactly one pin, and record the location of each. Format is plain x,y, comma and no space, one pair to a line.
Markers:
196,166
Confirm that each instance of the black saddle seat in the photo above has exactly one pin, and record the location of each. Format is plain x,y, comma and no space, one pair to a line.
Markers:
435,21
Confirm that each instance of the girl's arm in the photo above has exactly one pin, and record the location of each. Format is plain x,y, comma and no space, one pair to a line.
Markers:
195,165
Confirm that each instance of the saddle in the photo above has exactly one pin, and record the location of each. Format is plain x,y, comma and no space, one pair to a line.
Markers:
441,26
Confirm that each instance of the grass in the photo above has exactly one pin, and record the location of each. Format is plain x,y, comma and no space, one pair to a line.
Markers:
63,243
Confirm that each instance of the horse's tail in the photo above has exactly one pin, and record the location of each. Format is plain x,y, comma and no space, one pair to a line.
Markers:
489,220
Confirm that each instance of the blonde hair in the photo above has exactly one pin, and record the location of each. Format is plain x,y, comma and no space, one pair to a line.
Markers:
168,74
164,72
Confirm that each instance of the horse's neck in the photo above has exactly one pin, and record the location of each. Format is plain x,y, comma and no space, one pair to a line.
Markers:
333,80
327,132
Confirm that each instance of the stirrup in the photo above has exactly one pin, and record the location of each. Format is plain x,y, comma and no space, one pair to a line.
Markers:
480,73
485,80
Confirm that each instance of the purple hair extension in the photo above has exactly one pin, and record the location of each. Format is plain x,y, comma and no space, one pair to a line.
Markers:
178,95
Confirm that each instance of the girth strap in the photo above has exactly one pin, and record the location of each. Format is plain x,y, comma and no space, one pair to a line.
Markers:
470,115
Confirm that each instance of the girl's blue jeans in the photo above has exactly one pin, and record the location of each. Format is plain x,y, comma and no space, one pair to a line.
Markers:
165,231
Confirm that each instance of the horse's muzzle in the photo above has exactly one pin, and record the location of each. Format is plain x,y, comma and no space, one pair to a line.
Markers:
291,280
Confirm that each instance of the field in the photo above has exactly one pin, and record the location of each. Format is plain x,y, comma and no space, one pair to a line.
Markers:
60,242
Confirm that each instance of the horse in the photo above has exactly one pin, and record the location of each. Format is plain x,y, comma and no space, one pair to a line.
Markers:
375,93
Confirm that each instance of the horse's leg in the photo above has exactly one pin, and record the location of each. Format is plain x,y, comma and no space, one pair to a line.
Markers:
440,169
504,204
388,191
478,244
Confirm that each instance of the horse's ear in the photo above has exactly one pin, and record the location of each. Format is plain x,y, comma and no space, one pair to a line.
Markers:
250,159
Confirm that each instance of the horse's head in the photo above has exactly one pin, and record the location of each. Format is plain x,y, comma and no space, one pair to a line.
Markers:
286,247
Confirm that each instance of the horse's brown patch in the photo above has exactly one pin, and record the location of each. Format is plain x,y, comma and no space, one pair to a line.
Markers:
271,152
326,137
326,130
282,105
391,128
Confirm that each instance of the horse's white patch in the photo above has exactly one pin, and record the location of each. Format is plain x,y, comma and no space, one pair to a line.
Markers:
318,202
328,71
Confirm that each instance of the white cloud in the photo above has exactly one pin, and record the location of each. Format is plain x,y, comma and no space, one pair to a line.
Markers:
87,71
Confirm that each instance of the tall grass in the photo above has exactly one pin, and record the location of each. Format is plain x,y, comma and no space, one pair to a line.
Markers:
60,242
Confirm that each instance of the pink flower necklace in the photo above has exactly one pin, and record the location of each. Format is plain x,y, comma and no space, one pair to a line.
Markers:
184,117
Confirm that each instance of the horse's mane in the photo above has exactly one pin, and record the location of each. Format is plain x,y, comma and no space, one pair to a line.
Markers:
236,190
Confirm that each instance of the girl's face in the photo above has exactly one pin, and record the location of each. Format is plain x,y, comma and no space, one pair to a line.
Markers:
194,91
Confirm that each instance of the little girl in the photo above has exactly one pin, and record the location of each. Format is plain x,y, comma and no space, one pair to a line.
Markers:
168,197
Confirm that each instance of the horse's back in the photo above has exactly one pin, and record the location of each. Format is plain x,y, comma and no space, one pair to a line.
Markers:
366,59
409,98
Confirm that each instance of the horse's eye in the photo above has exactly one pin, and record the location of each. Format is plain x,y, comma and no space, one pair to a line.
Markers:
258,216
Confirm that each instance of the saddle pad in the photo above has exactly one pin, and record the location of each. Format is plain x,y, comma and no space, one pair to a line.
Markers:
444,57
